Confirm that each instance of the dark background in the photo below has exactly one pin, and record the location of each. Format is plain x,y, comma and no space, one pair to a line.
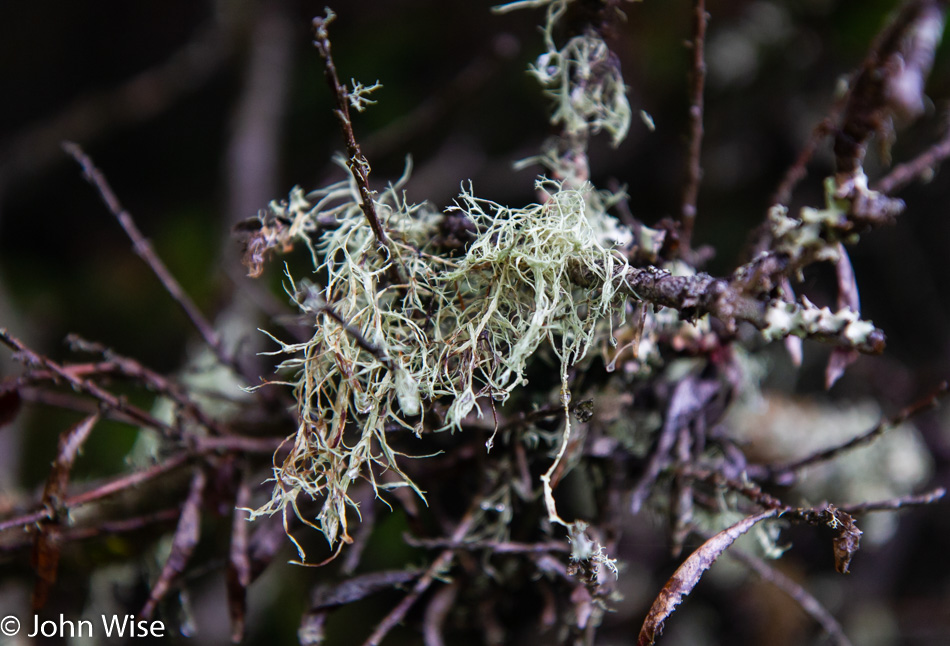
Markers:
199,113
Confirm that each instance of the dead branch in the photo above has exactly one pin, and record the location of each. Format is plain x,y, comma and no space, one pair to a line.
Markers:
143,249
694,170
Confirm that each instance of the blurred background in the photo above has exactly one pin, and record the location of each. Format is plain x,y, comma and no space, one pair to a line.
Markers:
201,112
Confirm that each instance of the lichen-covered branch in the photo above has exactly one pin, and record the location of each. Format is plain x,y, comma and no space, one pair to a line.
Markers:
356,161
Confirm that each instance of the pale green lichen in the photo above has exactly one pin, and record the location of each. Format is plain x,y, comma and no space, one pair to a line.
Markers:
783,319
459,330
582,78
358,94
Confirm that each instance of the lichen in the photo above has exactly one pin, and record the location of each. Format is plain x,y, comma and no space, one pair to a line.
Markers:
458,331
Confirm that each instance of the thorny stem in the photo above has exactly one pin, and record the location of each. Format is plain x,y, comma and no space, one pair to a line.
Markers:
143,249
694,171
356,160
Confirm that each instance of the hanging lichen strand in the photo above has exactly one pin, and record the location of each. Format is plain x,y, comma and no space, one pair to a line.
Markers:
458,330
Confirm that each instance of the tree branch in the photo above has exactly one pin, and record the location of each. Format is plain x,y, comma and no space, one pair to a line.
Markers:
356,161
694,170
143,249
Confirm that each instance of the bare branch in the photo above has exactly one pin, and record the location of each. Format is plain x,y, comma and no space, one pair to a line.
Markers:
694,171
143,248
921,166
800,595
783,471
183,544
102,491
438,566
86,386
901,502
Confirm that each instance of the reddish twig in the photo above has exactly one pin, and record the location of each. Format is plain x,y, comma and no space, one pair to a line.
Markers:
356,160
694,170
239,561
128,367
104,528
143,249
86,386
183,544
97,493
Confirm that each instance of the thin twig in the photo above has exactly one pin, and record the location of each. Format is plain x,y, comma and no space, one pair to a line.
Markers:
104,528
436,613
356,160
438,565
694,170
920,166
893,504
798,170
184,541
354,332
102,491
777,472
799,595
131,368
143,249
86,386
497,547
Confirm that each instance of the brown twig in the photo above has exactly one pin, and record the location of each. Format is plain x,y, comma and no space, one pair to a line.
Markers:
799,595
86,386
436,613
358,337
497,547
356,161
438,565
798,170
893,504
104,528
183,543
783,471
694,170
129,367
143,249
890,82
920,166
